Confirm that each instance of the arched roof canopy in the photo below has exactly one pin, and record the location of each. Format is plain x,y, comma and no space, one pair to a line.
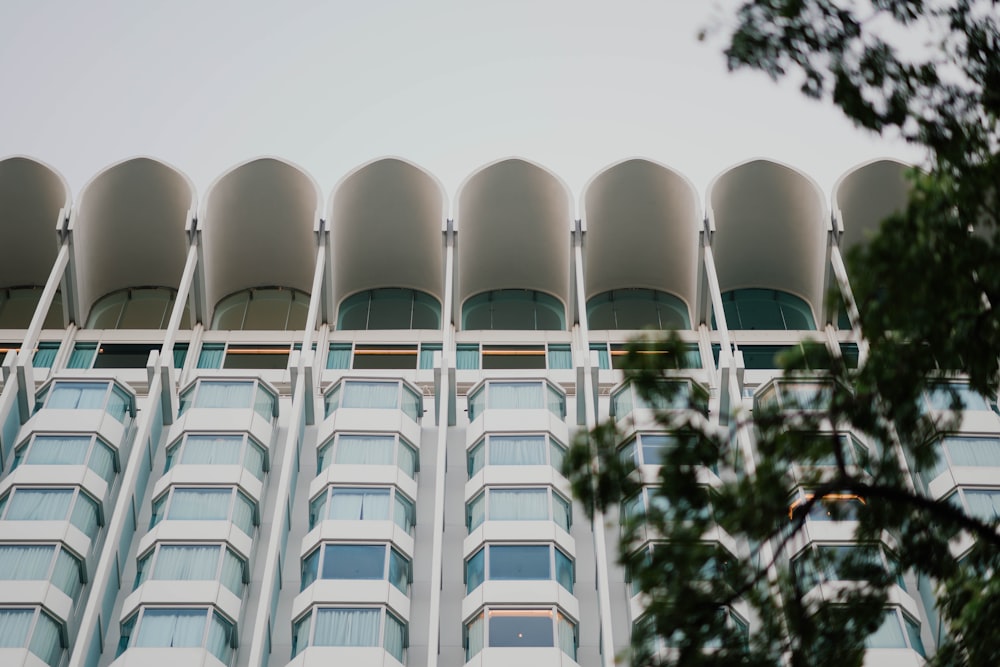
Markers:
865,196
771,230
642,221
513,220
31,195
386,221
258,229
128,230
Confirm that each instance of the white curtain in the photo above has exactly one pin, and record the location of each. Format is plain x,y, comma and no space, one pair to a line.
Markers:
370,395
477,511
359,504
474,637
254,461
58,450
84,515
567,636
171,627
224,395
14,626
403,513
186,562
517,450
561,512
200,504
476,458
407,459
243,513
102,461
300,635
45,642
519,504
365,449
984,504
347,627
974,451
888,635
394,637
515,395
25,562
220,638
67,573
212,450
78,395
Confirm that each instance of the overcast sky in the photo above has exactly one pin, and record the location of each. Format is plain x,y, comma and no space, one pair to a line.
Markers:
329,85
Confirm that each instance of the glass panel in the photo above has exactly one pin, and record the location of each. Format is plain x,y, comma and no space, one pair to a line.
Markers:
389,308
983,503
26,562
515,309
85,515
475,572
407,459
233,572
427,351
78,396
187,562
519,504
520,562
412,404
213,394
520,628
14,627
359,504
264,404
102,461
171,627
973,451
66,574
339,356
474,637
476,458
477,402
395,636
567,636
347,627
57,450
565,574
913,634
475,512
515,395
517,450
300,635
766,309
370,395
888,635
39,504
637,308
404,513
310,568
211,450
603,359
267,309
45,355
45,641
560,356
354,561
211,355
220,638
556,402
399,571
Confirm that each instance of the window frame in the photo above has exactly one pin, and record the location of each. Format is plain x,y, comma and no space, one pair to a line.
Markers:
487,561
485,390
179,446
29,638
78,493
549,443
23,450
320,551
166,500
333,397
147,561
484,613
188,397
134,627
384,613
488,491
332,444
112,388
409,506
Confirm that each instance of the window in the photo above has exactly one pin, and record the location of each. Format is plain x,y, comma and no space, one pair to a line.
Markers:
515,450
206,504
519,562
615,355
52,504
262,308
898,630
173,627
660,557
363,503
681,395
374,394
351,626
389,308
88,450
964,451
349,355
31,627
941,398
224,394
731,625
517,396
357,561
637,309
136,308
218,449
107,396
793,396
765,309
634,508
518,504
18,305
520,628
981,503
822,445
45,354
652,449
369,449
193,562
831,507
517,309
42,562
821,563
537,357
768,357
257,356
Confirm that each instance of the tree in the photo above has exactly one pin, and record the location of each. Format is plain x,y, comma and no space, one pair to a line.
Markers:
925,292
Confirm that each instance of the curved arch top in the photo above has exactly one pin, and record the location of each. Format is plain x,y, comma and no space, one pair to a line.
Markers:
866,195
514,220
642,221
386,219
128,230
771,231
31,195
258,229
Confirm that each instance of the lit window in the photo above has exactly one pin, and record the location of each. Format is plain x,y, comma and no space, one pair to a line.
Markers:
831,507
363,503
136,308
389,308
518,504
765,309
206,504
513,309
262,308
520,628
637,309
172,627
515,450
357,561
42,562
374,394
88,450
107,396
519,562
351,626
193,562
225,394
517,396
52,504
33,628
368,449
218,449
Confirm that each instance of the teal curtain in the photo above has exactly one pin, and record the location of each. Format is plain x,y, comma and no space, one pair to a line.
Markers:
14,627
66,574
467,357
58,450
233,568
45,355
171,628
339,356
220,638
39,504
180,354
560,356
45,641
427,351
515,395
347,627
102,461
82,356
395,637
211,355
564,570
85,515
26,562
603,359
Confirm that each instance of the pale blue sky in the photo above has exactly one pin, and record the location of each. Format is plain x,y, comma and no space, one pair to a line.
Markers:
450,85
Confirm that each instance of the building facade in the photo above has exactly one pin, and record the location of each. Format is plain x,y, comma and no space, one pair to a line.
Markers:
265,428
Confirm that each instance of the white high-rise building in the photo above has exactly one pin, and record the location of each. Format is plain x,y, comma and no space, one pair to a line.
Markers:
261,426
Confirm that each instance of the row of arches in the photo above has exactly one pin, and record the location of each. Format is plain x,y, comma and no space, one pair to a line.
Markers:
131,229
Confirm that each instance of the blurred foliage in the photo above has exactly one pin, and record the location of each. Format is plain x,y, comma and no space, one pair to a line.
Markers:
836,443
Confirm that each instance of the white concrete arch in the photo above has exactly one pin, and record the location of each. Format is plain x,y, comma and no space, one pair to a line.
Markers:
129,230
513,219
642,221
258,224
31,196
771,231
386,219
866,195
